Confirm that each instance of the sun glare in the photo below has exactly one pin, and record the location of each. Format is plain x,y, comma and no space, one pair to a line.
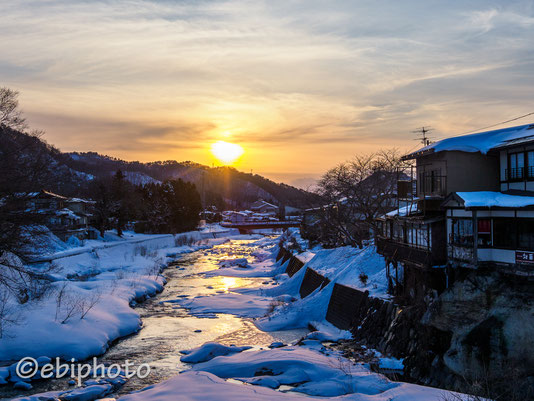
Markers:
226,152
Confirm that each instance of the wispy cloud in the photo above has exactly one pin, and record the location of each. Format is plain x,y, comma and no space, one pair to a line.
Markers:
161,79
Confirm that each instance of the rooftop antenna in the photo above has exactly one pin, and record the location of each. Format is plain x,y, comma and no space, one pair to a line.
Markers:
423,131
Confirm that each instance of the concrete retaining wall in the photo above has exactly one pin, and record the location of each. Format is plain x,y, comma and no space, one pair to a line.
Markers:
311,281
294,264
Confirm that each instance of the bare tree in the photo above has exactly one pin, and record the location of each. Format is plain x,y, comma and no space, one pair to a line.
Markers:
90,302
18,227
8,312
10,114
356,192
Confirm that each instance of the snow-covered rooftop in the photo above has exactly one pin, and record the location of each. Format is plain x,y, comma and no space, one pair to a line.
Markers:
481,142
494,199
403,211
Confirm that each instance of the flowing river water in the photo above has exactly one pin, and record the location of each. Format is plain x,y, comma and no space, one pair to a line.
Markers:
169,328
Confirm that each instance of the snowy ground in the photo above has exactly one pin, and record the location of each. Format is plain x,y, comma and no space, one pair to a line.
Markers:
218,372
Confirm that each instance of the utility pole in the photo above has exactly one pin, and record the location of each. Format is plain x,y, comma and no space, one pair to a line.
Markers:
423,138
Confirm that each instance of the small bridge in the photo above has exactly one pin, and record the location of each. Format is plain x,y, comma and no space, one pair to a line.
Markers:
245,227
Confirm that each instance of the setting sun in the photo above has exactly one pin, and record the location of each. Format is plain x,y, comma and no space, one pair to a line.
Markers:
226,152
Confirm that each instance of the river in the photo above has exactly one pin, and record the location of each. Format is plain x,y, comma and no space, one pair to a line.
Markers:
168,328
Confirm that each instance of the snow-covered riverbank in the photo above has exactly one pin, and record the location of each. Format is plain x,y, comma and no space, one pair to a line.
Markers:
309,368
89,303
303,369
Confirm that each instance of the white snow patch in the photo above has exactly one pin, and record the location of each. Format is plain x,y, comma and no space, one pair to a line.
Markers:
208,351
494,199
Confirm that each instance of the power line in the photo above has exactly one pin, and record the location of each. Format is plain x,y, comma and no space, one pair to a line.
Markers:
495,125
425,140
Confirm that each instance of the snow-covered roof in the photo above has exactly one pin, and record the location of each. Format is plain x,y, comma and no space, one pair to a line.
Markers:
67,212
489,199
262,203
233,212
31,195
403,211
80,200
481,142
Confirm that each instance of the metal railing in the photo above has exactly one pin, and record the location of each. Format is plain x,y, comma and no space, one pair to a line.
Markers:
433,185
516,173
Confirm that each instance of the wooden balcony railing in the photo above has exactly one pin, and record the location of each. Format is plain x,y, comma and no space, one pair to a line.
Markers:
407,253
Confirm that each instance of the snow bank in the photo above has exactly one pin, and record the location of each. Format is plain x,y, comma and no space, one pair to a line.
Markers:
208,351
239,262
311,372
307,370
242,305
88,305
326,331
291,240
342,265
201,386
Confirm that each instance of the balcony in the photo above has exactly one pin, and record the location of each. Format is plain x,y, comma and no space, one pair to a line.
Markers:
516,174
403,252
433,185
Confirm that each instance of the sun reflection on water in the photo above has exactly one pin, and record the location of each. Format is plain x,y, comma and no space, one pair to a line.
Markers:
229,282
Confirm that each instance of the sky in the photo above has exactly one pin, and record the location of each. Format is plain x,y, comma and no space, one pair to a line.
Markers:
300,85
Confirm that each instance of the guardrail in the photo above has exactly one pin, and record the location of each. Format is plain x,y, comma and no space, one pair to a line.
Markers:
261,223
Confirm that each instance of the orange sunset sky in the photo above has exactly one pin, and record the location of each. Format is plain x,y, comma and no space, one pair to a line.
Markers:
299,85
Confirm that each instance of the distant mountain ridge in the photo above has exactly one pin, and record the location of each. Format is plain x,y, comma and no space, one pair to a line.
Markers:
72,174
238,189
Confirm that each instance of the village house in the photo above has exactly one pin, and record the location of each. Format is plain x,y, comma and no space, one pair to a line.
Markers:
264,207
235,217
471,207
64,216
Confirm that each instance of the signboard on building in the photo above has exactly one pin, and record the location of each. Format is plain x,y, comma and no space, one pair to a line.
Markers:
524,257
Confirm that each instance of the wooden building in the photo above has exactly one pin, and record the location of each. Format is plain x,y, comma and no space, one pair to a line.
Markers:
472,207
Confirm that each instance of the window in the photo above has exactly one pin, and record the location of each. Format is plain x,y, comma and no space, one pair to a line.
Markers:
398,232
484,232
431,182
530,164
417,235
422,237
462,232
525,235
517,166
504,233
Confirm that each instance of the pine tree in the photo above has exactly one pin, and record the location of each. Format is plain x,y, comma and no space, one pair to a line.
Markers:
119,192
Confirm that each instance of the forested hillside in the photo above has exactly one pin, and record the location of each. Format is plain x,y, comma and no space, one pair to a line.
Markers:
29,164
